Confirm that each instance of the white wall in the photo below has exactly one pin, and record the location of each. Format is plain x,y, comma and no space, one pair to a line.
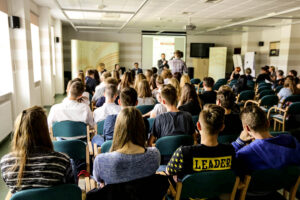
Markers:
131,44
27,93
288,36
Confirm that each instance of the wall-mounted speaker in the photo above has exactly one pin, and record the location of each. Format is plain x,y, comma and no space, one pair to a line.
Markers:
57,39
191,72
261,44
14,22
237,51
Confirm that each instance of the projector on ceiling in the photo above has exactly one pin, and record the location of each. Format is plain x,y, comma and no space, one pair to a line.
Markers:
189,27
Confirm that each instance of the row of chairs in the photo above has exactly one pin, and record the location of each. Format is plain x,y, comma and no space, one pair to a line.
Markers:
204,184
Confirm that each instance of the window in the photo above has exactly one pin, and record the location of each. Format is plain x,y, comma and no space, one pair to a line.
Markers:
53,50
36,54
6,79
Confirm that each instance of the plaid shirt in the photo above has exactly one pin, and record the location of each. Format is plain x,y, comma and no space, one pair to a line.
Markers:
177,65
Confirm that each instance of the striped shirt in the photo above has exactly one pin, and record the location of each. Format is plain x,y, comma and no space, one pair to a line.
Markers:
177,65
42,169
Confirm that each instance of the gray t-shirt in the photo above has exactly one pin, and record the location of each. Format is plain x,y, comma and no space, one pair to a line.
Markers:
173,123
115,167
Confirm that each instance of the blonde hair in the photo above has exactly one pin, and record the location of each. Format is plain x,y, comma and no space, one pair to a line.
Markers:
138,79
174,82
184,79
159,80
129,127
30,131
144,89
148,74
126,81
116,75
166,73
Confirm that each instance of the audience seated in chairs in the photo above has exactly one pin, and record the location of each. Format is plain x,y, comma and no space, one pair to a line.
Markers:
248,72
145,94
264,75
184,79
189,100
235,75
173,122
126,81
207,156
128,159
128,97
289,88
241,85
90,81
33,163
208,95
158,109
72,109
233,124
109,107
99,91
266,151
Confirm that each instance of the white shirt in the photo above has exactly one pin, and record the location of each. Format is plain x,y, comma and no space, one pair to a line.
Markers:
99,91
159,109
146,101
87,95
70,110
105,110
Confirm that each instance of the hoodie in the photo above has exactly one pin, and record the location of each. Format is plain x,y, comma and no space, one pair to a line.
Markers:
275,152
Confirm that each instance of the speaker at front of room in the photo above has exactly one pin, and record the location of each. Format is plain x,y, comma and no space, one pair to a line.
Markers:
191,72
14,22
261,44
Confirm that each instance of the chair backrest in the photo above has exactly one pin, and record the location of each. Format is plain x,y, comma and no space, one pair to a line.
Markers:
273,179
75,149
222,81
60,192
69,129
217,86
195,119
263,83
145,108
294,108
151,121
292,98
246,95
207,184
100,127
232,82
195,81
266,92
278,88
105,147
225,139
269,101
263,88
250,84
274,134
167,145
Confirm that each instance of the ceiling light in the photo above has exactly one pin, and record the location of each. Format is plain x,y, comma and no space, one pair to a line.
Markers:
212,1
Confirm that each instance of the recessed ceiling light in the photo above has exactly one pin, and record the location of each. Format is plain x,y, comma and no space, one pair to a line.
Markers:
212,1
187,13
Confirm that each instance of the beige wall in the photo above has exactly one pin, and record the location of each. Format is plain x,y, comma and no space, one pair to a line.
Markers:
130,45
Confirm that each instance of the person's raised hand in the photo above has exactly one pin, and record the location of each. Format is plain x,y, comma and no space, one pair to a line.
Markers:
245,136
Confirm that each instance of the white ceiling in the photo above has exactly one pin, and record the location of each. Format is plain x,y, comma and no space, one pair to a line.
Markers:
172,15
